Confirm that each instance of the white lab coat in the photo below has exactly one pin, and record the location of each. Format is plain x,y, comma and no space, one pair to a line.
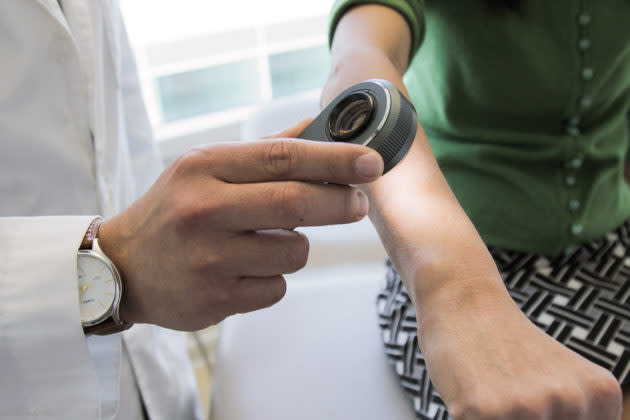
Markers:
74,142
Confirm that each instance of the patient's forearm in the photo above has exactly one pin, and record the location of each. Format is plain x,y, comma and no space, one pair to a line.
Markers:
426,233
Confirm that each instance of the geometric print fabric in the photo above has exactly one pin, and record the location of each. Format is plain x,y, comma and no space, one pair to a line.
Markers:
581,299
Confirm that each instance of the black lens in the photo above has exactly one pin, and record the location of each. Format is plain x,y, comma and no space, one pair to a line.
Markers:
351,116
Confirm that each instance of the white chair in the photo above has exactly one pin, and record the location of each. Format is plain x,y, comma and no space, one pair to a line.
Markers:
316,355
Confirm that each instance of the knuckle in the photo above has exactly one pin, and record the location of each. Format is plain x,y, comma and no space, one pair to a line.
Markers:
575,408
188,216
523,404
297,254
189,162
532,407
353,211
471,408
277,290
345,201
290,201
206,264
456,411
191,213
211,263
200,159
468,412
563,395
491,407
224,296
605,388
569,399
280,159
609,385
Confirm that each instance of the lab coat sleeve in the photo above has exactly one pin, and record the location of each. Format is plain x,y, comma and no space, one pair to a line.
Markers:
45,367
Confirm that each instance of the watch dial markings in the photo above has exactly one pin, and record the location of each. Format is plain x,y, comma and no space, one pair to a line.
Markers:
96,287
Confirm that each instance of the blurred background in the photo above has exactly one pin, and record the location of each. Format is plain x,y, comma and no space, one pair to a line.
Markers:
215,71
206,66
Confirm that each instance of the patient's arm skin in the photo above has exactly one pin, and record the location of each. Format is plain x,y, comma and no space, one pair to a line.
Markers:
487,360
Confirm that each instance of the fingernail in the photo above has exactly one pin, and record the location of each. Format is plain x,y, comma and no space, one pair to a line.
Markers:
369,165
363,204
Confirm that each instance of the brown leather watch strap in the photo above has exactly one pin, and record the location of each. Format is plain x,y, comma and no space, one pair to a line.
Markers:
107,327
91,233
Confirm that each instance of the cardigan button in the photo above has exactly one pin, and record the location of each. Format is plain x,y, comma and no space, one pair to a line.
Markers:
584,44
584,19
573,131
586,102
587,73
574,120
576,229
575,162
574,205
570,180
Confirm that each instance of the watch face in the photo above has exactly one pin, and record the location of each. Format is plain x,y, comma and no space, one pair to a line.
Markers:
97,287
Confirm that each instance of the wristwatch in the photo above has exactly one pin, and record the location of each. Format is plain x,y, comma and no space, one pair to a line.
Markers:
100,287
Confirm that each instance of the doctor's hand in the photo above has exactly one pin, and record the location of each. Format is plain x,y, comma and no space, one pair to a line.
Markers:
213,236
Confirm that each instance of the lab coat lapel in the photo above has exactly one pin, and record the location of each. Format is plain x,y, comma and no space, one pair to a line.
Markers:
120,117
107,128
113,28
55,13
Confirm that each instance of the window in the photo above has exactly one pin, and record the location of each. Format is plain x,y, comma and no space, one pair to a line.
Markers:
217,88
207,65
298,70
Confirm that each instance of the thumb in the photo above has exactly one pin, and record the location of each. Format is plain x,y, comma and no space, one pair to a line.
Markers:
293,131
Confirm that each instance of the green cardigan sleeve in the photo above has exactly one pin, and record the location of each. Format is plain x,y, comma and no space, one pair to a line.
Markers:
411,10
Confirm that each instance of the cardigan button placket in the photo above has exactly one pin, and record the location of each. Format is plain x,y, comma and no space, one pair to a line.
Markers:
574,125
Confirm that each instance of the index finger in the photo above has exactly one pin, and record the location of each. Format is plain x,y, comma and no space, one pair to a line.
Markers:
298,160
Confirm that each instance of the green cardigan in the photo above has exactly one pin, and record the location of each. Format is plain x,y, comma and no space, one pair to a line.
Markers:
528,116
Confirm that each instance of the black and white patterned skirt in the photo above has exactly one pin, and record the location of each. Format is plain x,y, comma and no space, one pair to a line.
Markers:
581,299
